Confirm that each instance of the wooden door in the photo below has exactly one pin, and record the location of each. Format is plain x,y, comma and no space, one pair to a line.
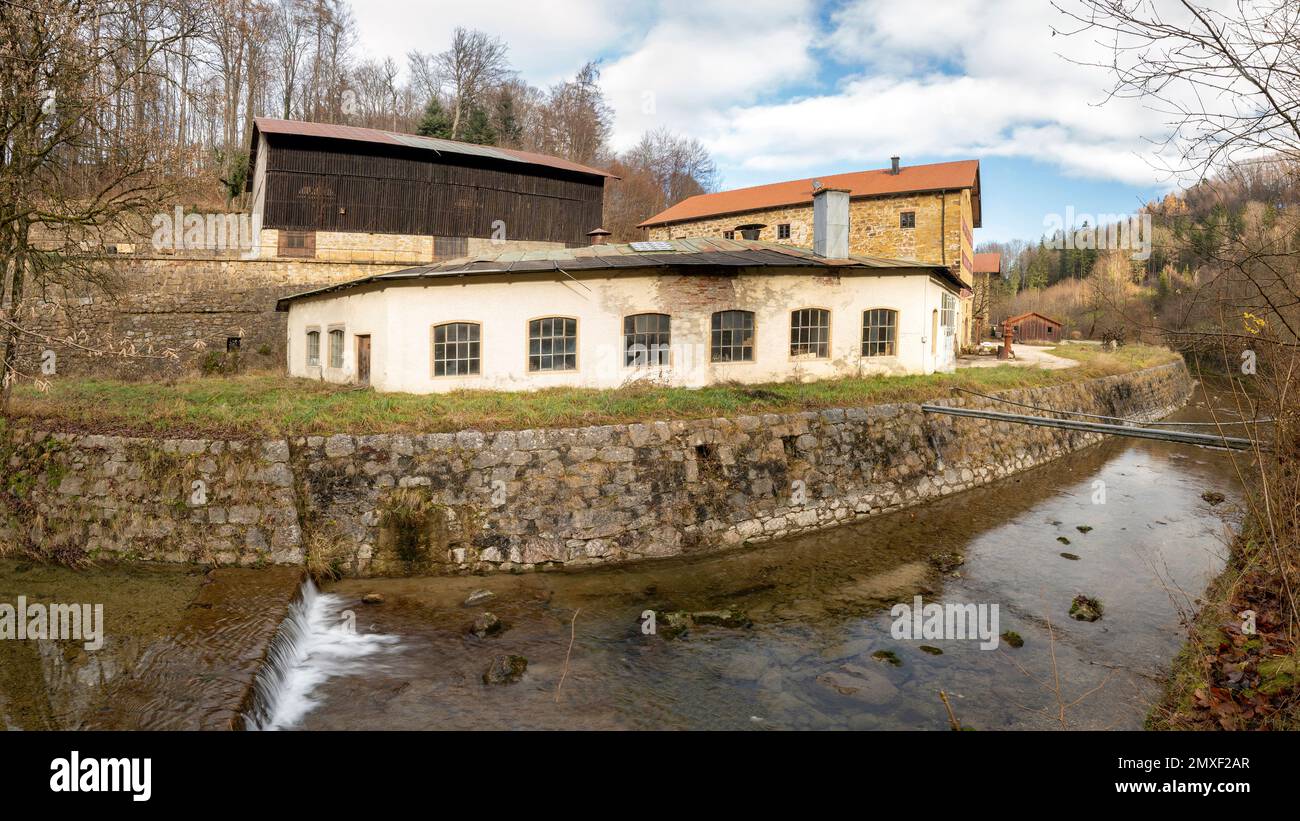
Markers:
363,359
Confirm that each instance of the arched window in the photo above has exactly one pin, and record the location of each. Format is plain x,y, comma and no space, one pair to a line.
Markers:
879,332
313,348
553,344
732,337
810,333
456,349
336,348
646,340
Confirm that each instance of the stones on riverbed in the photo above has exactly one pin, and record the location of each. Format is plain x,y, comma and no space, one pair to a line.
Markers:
1062,540
1085,608
1083,528
477,597
1013,639
677,623
1213,498
487,624
373,598
948,561
934,651
505,670
887,657
859,683
730,617
1072,557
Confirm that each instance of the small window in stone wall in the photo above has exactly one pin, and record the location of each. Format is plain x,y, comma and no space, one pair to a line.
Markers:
313,348
907,219
783,231
728,234
297,244
232,344
336,348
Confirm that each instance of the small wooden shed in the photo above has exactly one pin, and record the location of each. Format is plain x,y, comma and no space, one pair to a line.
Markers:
1034,327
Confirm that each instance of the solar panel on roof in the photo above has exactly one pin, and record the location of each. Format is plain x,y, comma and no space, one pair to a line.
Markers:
653,245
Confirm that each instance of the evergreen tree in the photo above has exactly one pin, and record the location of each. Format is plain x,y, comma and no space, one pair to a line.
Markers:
505,120
435,122
477,128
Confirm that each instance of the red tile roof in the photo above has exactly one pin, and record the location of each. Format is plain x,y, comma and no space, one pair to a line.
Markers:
990,263
269,125
943,176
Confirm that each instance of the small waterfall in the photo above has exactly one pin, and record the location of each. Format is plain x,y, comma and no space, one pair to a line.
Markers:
316,641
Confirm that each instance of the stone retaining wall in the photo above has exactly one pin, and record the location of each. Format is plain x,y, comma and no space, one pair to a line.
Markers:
472,501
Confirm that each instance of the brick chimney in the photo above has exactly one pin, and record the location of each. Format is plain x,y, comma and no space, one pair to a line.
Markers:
831,222
598,236
893,165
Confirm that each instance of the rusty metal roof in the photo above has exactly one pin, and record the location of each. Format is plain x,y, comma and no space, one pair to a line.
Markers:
269,125
943,176
696,253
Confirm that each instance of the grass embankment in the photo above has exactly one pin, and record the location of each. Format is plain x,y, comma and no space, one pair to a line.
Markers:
260,405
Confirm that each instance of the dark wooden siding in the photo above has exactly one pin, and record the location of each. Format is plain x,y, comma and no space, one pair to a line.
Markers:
310,187
1037,329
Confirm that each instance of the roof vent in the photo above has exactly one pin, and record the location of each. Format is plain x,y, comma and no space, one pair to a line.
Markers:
831,223
599,236
893,165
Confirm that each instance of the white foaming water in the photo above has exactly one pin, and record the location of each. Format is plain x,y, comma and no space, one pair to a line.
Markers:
316,642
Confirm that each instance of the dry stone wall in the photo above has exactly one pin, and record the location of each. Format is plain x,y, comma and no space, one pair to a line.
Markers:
530,499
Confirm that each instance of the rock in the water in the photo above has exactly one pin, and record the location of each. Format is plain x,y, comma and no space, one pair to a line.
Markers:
373,598
505,670
1085,608
478,596
674,624
487,624
860,683
887,656
934,651
1013,638
1212,497
947,562
731,617
1070,556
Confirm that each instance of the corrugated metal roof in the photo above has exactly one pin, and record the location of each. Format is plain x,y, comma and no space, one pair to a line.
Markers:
695,252
943,176
270,125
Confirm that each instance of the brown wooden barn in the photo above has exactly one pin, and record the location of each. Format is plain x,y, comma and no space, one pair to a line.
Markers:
1034,327
314,177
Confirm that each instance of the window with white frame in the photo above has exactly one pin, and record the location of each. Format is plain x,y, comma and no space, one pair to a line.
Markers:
948,313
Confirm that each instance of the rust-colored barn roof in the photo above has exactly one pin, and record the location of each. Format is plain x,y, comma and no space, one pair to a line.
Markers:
990,263
943,176
1013,320
349,133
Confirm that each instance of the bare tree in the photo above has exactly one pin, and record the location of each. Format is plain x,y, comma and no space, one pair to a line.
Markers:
475,63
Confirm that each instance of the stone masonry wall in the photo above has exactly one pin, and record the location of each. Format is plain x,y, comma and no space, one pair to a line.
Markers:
471,501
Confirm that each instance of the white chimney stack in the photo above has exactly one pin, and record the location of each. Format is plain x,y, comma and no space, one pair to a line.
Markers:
831,223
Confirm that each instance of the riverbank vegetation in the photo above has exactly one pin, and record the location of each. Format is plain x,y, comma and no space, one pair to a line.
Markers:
1222,286
260,405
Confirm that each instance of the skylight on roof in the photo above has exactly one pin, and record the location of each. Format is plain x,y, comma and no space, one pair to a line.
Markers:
653,245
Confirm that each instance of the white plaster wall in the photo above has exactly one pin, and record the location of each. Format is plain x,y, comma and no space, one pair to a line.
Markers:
400,317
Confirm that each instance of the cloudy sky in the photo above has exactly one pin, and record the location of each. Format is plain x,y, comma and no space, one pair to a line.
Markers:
782,89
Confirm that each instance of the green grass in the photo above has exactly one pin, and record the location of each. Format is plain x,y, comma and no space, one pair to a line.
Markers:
262,404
